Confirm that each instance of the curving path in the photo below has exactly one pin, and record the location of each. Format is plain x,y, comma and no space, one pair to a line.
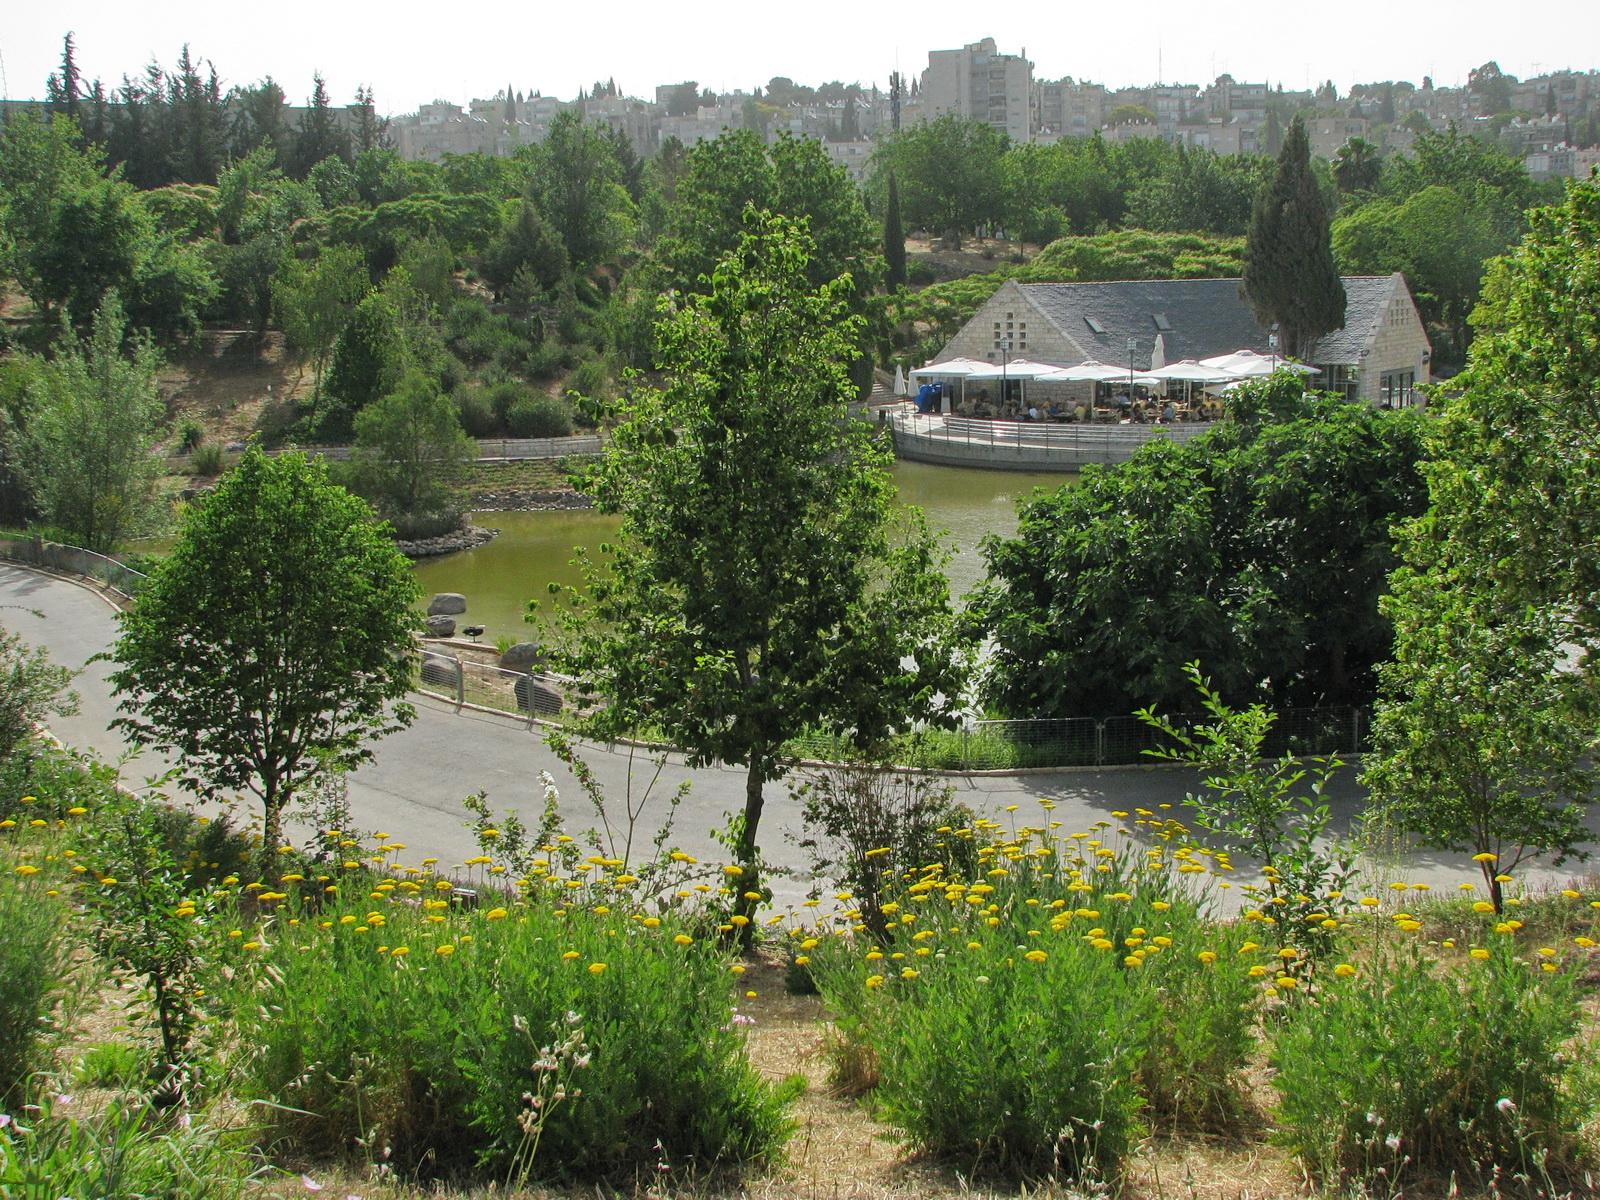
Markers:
413,787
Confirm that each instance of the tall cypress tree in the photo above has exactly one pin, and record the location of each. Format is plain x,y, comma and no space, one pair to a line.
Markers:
62,91
894,239
1289,273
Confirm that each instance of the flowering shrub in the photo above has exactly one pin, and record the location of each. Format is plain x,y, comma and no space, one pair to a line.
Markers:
1450,1063
524,1035
34,964
1023,1018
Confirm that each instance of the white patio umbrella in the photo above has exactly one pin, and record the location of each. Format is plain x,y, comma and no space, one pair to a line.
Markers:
1158,354
1189,371
1247,364
958,367
900,388
1017,368
1088,371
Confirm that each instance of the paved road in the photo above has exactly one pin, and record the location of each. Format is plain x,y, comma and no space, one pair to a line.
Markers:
413,787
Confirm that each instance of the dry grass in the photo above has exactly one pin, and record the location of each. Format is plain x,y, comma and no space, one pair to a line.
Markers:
231,388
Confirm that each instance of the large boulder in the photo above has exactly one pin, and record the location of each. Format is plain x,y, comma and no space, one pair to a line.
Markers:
536,698
448,604
440,627
439,670
521,657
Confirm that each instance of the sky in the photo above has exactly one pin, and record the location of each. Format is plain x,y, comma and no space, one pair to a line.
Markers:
411,52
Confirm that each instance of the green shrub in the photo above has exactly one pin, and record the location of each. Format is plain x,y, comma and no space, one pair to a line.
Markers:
1021,1014
190,435
121,1065
126,1152
35,965
504,395
539,417
206,460
379,1024
591,378
475,413
1447,1066
417,526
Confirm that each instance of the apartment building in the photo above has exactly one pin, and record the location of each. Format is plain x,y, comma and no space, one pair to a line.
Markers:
978,81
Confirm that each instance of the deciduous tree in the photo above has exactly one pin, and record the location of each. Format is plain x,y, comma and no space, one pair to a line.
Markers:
94,415
274,640
759,586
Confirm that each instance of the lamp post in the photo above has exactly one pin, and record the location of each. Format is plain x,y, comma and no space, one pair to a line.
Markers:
1005,353
1133,344
1272,344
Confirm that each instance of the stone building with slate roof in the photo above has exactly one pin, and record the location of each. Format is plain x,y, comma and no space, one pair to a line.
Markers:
1380,355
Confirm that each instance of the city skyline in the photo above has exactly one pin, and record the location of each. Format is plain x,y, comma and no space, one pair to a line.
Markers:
416,53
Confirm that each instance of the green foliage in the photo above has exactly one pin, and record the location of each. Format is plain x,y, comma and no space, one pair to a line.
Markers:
578,186
1289,273
275,631
1260,548
1484,739
32,689
758,587
857,819
527,252
1441,1069
368,359
437,1056
795,178
1035,993
206,462
35,972
126,1152
894,240
1200,191
538,417
148,921
1259,808
314,299
1482,743
93,421
409,445
475,412
948,172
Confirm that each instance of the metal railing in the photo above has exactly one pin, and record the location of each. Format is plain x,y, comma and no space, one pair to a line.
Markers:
530,694
489,449
917,434
119,578
1011,745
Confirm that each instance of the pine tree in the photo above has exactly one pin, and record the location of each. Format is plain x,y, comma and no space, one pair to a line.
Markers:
1289,273
894,239
62,90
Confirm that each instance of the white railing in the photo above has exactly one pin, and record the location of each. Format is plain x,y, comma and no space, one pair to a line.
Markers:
1044,444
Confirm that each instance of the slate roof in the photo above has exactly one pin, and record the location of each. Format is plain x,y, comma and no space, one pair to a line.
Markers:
1203,317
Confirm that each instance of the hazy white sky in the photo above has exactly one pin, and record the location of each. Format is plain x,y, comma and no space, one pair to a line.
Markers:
411,52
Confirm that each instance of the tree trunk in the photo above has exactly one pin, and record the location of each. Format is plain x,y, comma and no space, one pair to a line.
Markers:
749,882
271,831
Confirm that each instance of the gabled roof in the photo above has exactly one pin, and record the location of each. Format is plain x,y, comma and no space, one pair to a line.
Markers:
1197,318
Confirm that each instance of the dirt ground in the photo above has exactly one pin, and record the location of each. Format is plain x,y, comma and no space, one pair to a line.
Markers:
233,388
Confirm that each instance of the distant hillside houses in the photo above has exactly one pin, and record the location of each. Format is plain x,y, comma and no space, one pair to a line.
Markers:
1552,120
1380,355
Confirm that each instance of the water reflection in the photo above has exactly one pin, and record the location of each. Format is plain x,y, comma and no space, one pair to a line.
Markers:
535,549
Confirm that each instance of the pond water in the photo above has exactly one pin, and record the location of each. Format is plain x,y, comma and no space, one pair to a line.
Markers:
535,549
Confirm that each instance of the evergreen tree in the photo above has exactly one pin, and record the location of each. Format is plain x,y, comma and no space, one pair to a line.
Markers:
894,239
371,131
897,91
61,91
319,134
1289,274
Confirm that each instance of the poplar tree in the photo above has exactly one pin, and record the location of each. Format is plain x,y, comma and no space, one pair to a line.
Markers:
1289,273
894,239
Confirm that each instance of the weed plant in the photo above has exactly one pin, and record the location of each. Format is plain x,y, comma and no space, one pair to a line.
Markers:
35,972
390,1022
1451,1061
1025,1017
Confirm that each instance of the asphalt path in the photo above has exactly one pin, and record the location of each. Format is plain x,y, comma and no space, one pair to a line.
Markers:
413,787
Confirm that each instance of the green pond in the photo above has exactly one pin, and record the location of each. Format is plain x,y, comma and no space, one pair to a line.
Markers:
534,549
